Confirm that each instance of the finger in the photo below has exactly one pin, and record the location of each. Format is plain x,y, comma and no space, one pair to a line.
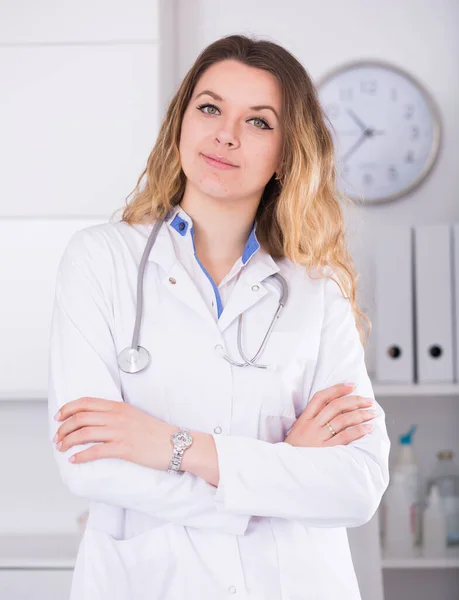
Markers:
353,418
83,404
350,403
108,450
342,405
81,419
86,435
323,397
347,436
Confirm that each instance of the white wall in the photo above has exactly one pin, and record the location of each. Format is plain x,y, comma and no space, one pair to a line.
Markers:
82,97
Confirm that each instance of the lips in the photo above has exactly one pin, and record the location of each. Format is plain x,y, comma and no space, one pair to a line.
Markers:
219,159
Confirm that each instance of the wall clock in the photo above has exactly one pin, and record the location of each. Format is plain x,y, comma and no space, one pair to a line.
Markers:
386,128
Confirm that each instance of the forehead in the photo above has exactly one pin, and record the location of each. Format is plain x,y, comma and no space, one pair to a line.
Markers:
241,84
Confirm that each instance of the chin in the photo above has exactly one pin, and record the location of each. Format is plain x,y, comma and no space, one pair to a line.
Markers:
215,191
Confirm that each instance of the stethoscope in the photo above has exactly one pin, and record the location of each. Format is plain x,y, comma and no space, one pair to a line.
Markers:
136,358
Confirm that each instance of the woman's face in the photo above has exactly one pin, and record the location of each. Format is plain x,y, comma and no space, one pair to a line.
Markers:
234,113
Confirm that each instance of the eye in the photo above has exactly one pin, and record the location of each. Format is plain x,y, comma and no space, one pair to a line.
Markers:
266,125
207,106
212,107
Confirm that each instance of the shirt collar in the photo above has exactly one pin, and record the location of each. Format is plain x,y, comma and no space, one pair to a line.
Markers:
182,225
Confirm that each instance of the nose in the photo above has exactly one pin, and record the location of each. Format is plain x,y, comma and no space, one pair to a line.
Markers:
227,135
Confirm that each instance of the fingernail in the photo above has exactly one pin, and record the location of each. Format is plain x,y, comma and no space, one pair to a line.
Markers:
57,416
55,438
349,384
368,426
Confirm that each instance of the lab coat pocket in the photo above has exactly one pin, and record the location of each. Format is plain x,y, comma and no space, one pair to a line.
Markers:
137,567
274,428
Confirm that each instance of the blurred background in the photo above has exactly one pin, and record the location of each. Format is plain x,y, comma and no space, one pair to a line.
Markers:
84,86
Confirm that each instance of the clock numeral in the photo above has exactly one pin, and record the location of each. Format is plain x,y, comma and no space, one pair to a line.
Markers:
346,94
392,173
368,87
414,132
332,110
409,158
367,179
409,111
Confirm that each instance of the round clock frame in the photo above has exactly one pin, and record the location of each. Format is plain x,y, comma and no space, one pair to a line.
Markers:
369,132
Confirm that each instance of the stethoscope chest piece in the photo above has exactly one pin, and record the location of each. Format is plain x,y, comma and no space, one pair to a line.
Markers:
131,360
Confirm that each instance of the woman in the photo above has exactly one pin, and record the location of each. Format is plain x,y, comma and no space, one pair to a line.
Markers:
240,186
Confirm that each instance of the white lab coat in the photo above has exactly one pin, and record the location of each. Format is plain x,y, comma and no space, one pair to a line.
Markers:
276,525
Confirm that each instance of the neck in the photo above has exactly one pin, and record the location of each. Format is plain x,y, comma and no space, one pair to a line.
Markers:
221,227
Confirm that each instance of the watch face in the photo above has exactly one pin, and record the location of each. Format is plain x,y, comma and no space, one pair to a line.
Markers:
385,128
182,438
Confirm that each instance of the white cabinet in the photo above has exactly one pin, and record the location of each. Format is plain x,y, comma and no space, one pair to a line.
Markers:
37,566
29,584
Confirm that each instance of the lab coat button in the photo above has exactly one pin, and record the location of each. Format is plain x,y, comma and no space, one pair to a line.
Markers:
232,589
172,280
217,430
255,288
218,348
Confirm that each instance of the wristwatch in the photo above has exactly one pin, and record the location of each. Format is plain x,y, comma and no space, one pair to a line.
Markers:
181,440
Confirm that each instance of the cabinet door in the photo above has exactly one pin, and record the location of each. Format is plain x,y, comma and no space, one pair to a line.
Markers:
25,584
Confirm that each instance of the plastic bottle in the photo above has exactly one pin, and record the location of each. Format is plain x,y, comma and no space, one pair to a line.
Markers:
402,501
446,476
434,526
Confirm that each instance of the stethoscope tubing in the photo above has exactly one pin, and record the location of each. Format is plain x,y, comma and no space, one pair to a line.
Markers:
135,358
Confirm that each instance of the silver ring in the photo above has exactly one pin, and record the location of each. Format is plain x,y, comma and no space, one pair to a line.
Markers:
332,431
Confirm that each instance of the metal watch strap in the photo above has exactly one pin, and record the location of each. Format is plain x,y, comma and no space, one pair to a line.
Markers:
176,460
177,454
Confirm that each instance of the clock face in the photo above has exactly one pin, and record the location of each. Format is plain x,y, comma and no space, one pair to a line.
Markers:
385,127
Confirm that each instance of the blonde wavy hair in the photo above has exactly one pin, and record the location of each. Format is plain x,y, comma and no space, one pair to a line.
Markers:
299,216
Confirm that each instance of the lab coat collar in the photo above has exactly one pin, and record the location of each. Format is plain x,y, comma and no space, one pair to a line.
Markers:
248,290
182,224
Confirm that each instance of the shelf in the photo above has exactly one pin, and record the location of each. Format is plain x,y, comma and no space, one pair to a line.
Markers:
421,563
383,390
23,396
38,551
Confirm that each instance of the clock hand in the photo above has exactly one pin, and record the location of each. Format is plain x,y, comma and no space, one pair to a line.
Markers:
353,148
355,118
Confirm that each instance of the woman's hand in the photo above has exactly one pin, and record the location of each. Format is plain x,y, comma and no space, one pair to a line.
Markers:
329,406
126,432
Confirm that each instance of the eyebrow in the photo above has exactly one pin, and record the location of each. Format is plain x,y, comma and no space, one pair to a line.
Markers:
219,98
